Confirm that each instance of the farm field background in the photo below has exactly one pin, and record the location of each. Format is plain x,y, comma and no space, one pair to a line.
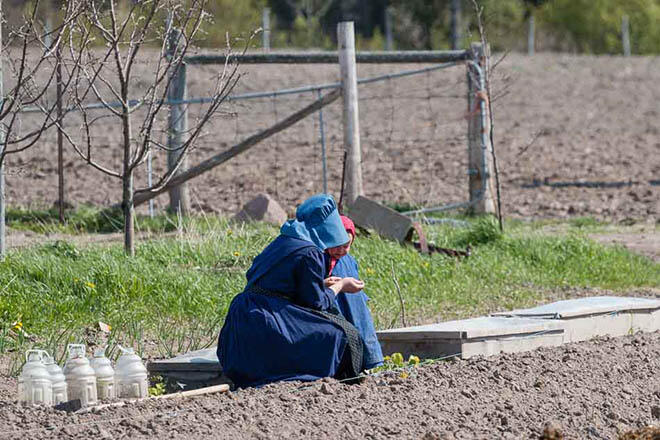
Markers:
558,119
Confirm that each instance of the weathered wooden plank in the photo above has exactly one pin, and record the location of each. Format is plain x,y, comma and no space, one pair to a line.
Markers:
351,115
214,161
481,175
387,222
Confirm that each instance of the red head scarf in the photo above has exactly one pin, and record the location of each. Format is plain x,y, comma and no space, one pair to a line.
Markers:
350,228
349,225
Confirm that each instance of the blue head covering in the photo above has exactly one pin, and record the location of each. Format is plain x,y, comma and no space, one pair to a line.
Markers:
317,220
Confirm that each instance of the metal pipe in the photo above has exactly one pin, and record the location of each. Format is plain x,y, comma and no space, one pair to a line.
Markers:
324,159
257,95
150,183
332,57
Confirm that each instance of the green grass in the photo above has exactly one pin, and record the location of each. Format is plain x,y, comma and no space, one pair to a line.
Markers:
174,294
86,219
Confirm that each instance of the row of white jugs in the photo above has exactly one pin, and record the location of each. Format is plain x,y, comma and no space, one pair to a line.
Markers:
42,381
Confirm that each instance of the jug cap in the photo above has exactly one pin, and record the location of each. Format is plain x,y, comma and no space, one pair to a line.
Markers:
76,350
99,352
128,350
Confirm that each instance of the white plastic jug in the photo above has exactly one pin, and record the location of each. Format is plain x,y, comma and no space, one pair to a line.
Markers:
34,383
105,375
80,377
131,376
57,378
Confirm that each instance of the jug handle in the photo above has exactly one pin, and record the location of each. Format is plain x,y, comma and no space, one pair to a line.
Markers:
29,352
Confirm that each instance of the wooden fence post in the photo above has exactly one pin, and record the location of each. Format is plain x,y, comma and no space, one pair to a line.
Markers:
480,166
265,24
177,128
351,116
455,24
530,35
389,39
625,35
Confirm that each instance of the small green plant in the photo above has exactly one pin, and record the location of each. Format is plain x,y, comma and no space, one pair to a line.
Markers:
584,222
485,230
157,387
395,362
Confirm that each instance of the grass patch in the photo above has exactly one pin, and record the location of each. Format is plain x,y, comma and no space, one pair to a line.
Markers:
174,294
87,220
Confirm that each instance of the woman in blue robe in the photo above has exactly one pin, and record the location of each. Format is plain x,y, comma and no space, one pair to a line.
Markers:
354,306
285,324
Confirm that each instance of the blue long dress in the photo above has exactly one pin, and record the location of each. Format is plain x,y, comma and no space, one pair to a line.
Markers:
267,338
355,309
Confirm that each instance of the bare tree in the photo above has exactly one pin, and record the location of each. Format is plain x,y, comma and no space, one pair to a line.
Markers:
108,72
29,61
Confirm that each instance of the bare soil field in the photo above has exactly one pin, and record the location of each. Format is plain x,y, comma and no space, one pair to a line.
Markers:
596,389
574,136
562,124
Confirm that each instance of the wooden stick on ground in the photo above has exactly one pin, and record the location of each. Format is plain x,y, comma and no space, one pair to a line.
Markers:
223,388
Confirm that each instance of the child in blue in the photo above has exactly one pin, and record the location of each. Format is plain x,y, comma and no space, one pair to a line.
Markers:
354,306
285,324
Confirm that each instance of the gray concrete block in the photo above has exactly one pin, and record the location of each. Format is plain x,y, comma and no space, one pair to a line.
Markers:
586,318
483,336
205,360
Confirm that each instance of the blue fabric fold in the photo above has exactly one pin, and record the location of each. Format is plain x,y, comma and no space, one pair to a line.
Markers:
355,309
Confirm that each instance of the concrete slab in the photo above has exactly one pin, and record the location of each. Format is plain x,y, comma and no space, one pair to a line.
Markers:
386,221
195,369
471,337
585,306
586,318
200,360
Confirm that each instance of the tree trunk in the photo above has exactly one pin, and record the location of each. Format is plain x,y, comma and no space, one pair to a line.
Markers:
127,185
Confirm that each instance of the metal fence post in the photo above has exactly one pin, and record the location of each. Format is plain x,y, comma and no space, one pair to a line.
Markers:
2,149
177,128
351,116
480,167
324,158
60,135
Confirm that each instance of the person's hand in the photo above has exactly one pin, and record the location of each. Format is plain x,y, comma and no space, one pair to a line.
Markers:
331,280
351,285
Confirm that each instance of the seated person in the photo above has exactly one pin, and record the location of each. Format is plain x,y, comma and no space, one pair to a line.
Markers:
353,306
284,325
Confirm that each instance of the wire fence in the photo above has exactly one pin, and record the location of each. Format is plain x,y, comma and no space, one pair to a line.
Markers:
413,137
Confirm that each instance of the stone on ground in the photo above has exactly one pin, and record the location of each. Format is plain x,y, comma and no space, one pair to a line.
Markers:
263,208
